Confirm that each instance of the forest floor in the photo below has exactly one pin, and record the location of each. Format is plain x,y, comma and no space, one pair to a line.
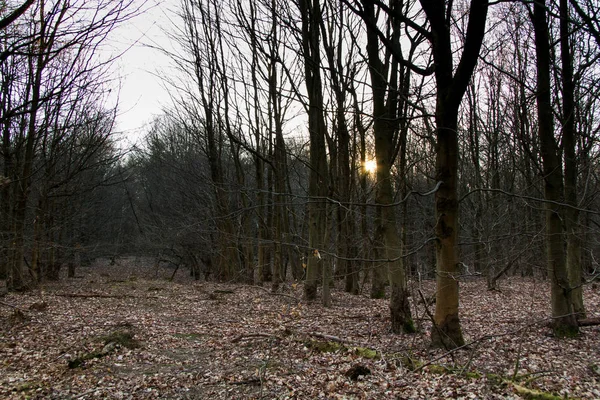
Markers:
127,332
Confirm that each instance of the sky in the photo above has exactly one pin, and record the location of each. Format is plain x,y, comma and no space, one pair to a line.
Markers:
141,92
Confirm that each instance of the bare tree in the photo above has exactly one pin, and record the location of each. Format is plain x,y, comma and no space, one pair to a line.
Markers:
57,44
451,86
16,13
565,323
310,12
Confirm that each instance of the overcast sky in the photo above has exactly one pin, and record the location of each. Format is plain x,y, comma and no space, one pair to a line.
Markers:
142,93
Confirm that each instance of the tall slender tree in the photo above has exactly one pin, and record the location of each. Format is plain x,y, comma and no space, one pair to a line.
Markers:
318,187
451,85
570,161
565,322
386,94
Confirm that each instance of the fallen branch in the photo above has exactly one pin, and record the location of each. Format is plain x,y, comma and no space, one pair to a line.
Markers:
329,337
589,322
254,335
276,294
102,296
251,381
433,323
9,305
82,395
93,295
531,393
477,341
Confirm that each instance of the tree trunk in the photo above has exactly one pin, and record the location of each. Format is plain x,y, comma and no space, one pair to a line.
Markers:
15,279
571,169
318,181
378,268
385,128
365,244
6,181
447,332
565,323
451,87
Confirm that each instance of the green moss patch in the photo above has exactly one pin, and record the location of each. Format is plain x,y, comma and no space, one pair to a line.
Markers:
121,338
189,336
324,347
27,386
335,347
365,352
532,394
112,342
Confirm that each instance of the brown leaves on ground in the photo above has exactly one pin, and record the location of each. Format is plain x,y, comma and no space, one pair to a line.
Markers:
206,340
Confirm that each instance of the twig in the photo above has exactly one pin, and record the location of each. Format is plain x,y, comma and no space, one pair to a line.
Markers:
470,360
251,381
254,335
79,396
589,322
439,331
9,305
524,197
276,294
103,296
328,337
479,339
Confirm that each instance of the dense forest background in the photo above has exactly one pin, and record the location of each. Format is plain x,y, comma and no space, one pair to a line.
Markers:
360,143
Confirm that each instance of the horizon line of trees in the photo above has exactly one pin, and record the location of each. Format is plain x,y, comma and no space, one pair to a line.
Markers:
59,150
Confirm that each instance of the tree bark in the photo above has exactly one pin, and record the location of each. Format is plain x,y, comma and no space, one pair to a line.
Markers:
565,323
36,66
451,87
310,12
385,112
335,53
571,169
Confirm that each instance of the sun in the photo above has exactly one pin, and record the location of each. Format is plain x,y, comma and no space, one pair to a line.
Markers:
370,166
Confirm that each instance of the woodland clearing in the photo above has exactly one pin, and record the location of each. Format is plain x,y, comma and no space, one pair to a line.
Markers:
127,332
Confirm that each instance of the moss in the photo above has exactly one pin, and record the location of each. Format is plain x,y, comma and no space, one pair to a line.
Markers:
495,379
531,394
332,347
521,390
121,338
27,386
443,370
367,353
566,331
189,336
325,347
438,369
472,374
407,362
409,326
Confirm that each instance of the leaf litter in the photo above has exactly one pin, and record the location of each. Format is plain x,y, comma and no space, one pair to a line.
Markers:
127,332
